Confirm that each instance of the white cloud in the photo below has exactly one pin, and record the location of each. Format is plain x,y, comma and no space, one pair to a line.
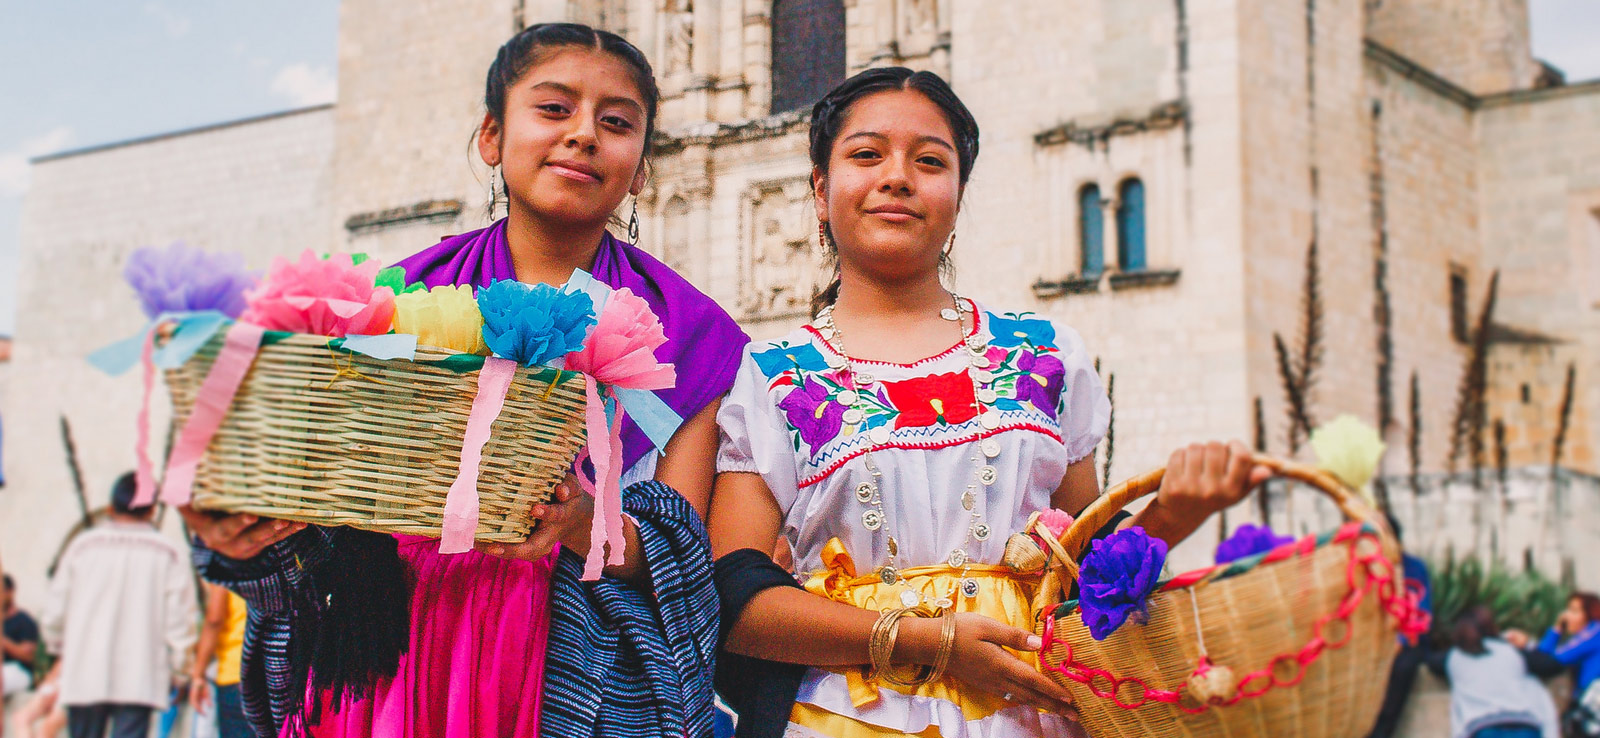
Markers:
304,84
14,174
177,24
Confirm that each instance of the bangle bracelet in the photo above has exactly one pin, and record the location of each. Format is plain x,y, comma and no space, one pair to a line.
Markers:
876,642
923,673
947,645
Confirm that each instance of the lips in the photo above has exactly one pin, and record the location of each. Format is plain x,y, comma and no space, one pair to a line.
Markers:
574,170
895,213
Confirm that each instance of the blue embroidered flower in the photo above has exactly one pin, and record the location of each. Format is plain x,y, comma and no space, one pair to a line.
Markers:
1012,332
1117,577
534,324
1248,540
782,358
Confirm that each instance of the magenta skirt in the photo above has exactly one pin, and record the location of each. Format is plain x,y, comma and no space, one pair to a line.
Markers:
479,625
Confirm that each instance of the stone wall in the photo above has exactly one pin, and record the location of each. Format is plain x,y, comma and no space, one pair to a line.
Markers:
1480,45
259,188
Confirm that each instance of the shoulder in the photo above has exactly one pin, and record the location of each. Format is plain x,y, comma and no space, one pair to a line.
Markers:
1009,329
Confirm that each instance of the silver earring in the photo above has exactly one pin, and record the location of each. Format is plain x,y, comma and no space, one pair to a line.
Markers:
633,225
494,190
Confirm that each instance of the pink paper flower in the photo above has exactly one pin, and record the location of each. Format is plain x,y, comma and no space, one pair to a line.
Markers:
1056,521
323,297
621,348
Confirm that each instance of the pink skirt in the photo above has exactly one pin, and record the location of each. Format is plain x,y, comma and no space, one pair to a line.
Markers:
479,625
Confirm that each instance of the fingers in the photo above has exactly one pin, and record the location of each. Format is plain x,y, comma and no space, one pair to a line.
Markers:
1216,462
256,538
1239,467
1011,637
1041,692
1194,463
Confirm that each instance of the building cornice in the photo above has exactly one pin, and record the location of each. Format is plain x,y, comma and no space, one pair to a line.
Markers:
179,133
1170,114
713,133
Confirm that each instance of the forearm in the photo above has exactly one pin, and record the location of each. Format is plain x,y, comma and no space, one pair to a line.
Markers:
795,626
1168,525
24,652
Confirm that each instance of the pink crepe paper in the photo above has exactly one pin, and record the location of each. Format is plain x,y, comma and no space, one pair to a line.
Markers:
324,297
211,403
620,353
1056,521
461,503
144,494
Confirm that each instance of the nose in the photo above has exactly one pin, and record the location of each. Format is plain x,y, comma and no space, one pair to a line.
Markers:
582,134
896,177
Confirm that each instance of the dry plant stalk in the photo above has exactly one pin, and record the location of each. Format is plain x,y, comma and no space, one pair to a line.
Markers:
1472,413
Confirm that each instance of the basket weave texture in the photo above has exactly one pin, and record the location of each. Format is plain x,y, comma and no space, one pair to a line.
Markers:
324,436
1258,617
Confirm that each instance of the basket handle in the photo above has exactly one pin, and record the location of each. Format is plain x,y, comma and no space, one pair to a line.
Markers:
1093,518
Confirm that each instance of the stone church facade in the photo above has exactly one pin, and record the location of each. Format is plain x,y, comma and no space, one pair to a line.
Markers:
1152,173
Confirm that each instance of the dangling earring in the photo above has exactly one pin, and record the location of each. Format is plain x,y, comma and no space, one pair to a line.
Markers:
494,191
950,246
822,235
633,225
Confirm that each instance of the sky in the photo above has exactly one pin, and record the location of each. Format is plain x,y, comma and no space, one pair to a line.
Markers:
77,73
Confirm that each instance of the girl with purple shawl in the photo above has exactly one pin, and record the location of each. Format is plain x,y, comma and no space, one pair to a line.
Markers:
507,639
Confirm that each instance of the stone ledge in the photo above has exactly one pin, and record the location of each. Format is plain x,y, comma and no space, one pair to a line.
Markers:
1076,284
713,133
1144,278
430,211
1170,114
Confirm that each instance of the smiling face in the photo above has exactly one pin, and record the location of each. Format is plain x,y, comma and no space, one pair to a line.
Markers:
892,187
571,144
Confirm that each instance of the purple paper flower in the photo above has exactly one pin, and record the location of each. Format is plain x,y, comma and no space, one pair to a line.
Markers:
181,279
1248,540
811,410
1039,381
1116,577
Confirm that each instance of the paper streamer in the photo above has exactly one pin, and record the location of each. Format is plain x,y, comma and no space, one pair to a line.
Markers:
144,494
211,404
461,503
386,347
190,331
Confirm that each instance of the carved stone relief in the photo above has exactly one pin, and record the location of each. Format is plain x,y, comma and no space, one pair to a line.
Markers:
919,24
677,18
780,265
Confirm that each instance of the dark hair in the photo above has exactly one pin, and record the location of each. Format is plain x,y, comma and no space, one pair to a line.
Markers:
828,115
1471,627
122,493
1394,526
528,48
10,583
1591,605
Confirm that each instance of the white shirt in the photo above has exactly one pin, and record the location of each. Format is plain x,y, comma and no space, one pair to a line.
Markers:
122,616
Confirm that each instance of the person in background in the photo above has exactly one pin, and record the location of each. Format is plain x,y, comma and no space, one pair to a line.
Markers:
1495,690
19,641
43,716
1575,642
1403,674
121,616
222,639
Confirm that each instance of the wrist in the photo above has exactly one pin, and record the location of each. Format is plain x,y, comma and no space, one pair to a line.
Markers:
918,642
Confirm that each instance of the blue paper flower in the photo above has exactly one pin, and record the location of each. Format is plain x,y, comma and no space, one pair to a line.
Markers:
534,324
1248,540
1117,577
181,279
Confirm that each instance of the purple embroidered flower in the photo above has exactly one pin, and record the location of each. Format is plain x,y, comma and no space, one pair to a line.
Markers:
1116,577
811,410
1039,380
1248,540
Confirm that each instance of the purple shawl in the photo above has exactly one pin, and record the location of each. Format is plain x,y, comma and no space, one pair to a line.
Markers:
703,342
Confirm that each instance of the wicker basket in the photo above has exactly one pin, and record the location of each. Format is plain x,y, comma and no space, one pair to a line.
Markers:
1295,642
322,435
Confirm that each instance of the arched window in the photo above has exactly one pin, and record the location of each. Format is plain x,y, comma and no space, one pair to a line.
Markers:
1130,225
1091,230
807,51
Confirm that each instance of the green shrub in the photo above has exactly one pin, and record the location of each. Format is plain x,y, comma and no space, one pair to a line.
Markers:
1526,600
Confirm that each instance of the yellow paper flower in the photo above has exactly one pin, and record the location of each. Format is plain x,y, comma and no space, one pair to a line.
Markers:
1350,450
446,316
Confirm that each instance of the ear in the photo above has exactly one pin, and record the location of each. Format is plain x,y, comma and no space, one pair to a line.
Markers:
489,140
819,192
640,177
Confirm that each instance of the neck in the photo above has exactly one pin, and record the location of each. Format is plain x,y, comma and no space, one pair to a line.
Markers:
548,252
863,296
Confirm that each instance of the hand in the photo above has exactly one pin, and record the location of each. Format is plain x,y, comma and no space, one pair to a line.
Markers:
1202,479
1569,623
566,520
199,694
1516,638
241,536
981,661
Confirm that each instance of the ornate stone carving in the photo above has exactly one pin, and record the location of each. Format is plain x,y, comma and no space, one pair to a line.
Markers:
780,265
919,23
677,17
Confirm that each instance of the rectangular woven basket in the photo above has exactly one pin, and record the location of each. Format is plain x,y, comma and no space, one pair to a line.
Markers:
321,435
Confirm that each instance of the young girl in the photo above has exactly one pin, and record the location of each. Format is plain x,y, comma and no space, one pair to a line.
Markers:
896,442
507,640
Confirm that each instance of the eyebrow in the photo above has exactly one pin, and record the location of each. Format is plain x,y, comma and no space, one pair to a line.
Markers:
573,92
880,137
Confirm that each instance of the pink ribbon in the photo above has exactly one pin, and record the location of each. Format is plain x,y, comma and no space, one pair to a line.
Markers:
461,504
144,494
606,540
211,405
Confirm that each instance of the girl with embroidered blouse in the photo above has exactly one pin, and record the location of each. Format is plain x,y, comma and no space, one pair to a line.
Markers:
509,639
896,441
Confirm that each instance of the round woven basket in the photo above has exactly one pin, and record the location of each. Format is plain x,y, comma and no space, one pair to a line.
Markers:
325,436
1294,642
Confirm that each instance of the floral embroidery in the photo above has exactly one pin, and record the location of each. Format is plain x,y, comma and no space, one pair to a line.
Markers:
811,411
1038,381
785,358
924,401
1013,330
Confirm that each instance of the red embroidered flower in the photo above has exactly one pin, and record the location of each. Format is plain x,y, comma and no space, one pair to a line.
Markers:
925,401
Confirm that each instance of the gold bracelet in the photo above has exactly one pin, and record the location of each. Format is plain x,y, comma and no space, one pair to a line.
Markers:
947,645
924,672
880,646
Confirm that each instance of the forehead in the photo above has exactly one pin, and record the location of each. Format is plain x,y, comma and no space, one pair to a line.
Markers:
896,113
589,71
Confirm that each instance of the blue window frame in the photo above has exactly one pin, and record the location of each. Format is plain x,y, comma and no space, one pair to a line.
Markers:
1091,230
1130,225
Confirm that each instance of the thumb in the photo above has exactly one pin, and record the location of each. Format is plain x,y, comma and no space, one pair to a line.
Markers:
1259,475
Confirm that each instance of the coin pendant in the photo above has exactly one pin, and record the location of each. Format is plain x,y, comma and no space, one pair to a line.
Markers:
958,558
846,398
880,434
968,500
835,360
981,531
983,376
990,420
949,314
888,575
894,547
980,361
969,587
991,447
865,491
863,379
909,598
853,416
987,396
988,474
872,519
